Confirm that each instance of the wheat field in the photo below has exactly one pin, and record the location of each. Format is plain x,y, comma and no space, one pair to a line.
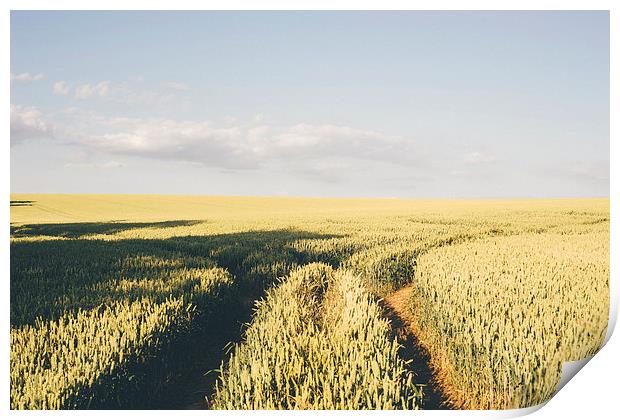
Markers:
117,300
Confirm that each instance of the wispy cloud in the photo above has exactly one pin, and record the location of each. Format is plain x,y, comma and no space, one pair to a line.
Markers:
61,88
26,77
27,123
177,86
112,164
86,91
121,93
478,157
311,149
302,141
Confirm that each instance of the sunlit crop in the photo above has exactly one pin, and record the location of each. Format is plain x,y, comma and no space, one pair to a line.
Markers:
502,314
116,300
318,341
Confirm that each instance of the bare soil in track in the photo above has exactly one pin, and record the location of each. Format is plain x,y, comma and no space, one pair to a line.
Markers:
191,390
398,311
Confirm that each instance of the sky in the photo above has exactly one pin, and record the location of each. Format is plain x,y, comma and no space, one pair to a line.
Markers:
323,104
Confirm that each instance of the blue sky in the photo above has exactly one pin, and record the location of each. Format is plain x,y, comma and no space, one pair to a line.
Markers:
371,104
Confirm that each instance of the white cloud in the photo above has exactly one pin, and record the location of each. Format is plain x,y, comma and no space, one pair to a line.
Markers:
313,150
112,164
302,141
26,77
185,141
61,88
177,86
27,124
477,157
124,93
85,91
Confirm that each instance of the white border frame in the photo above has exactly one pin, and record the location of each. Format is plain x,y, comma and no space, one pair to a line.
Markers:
592,393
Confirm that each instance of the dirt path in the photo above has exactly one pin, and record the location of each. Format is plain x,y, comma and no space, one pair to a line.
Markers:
201,381
398,311
190,389
202,385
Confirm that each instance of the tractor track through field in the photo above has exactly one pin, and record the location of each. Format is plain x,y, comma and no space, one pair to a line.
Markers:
196,386
398,311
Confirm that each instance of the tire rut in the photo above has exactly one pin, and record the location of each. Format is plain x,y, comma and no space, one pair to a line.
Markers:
195,388
397,310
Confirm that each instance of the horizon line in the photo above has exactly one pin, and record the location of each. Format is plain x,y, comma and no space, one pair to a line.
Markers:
281,196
